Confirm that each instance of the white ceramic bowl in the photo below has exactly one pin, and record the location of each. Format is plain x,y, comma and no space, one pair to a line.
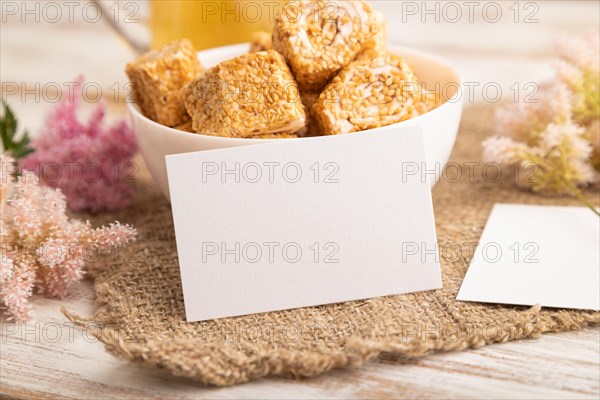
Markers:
439,126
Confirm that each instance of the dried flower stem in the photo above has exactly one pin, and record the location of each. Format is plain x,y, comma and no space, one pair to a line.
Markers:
572,186
579,194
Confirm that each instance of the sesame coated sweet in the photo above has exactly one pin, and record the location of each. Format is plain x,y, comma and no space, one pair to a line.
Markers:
158,77
277,136
319,37
377,45
369,94
185,127
249,96
261,41
308,100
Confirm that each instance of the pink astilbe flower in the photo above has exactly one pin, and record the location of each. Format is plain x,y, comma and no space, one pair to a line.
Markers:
579,69
40,246
526,120
582,51
559,134
502,149
88,162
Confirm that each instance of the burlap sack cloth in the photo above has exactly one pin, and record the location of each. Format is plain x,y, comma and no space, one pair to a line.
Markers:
141,313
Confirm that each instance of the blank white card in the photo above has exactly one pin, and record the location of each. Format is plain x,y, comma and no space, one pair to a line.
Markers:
302,222
527,255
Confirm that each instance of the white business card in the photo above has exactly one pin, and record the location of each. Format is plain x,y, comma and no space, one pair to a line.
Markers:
303,222
528,255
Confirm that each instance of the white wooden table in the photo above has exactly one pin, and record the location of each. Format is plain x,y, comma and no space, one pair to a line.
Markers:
49,358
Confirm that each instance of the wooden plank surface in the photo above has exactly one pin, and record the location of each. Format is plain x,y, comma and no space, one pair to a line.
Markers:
49,358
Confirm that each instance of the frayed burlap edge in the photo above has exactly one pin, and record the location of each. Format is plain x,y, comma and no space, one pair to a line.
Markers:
181,359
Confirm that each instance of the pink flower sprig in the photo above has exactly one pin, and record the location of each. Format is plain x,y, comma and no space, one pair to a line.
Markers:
89,162
557,138
41,248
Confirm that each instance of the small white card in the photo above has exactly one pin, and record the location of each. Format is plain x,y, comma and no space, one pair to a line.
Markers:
527,255
302,223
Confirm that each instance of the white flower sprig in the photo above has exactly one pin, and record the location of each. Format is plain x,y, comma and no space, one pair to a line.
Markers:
559,135
41,248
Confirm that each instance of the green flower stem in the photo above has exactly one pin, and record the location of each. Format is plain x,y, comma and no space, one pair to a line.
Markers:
580,195
571,185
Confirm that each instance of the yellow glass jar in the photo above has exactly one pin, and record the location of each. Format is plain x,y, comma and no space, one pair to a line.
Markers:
210,23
